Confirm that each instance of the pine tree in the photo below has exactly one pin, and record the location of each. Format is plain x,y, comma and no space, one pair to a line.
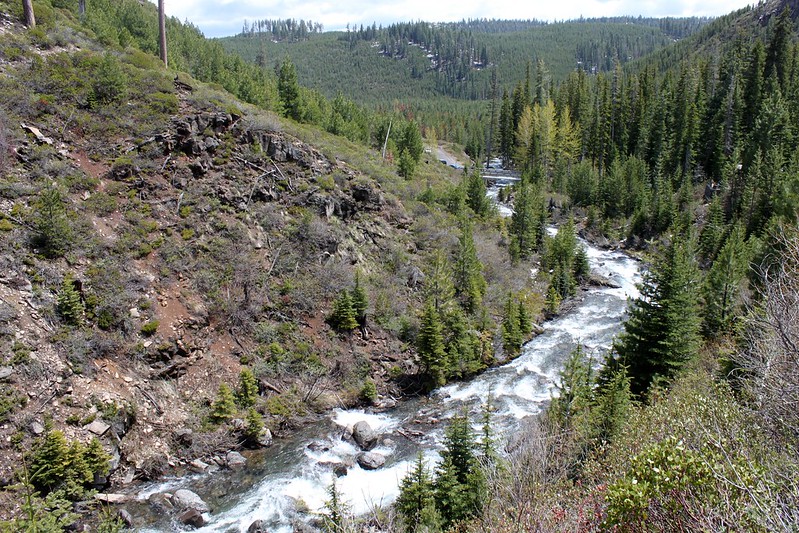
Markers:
336,511
470,285
438,287
525,224
68,303
360,301
253,427
50,461
574,388
343,316
460,483
247,393
662,332
724,284
511,333
52,232
288,90
224,407
613,406
476,192
406,166
430,346
416,501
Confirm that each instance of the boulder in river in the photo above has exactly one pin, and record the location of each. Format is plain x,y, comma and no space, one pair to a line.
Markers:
186,499
364,435
192,517
235,460
259,526
371,460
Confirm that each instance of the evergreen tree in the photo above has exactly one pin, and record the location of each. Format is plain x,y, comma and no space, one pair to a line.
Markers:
336,511
52,232
224,407
612,408
360,301
574,389
724,284
469,283
438,286
511,333
430,346
416,502
526,224
50,461
460,484
68,303
412,141
343,316
406,166
288,89
476,197
247,393
662,332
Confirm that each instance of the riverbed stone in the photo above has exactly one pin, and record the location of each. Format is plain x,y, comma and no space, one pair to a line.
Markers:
371,460
161,501
192,517
235,460
364,435
265,438
259,526
126,517
198,466
186,499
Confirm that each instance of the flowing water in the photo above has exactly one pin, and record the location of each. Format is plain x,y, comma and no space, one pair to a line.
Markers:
297,472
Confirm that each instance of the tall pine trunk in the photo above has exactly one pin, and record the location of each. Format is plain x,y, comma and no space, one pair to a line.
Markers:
162,32
27,9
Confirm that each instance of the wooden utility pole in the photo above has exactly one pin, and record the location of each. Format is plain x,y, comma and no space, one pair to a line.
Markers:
162,32
27,9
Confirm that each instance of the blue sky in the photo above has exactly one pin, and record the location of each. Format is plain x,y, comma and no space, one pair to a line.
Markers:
217,18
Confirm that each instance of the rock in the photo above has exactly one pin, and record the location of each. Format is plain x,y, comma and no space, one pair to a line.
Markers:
318,446
265,438
98,427
184,436
198,466
134,313
5,372
235,460
186,499
371,460
259,526
192,517
364,435
37,428
126,517
112,498
161,501
340,469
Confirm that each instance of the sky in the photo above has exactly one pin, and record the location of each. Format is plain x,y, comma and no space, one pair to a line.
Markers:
218,18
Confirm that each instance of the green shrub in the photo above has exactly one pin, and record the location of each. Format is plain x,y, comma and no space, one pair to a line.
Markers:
247,393
369,391
224,407
110,82
68,303
149,328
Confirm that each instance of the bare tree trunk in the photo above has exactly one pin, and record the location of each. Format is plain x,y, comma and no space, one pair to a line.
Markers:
82,7
27,8
162,31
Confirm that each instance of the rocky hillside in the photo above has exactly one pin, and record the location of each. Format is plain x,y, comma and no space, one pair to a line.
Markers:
170,259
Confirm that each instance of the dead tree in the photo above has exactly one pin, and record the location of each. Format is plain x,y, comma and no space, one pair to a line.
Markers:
27,9
162,31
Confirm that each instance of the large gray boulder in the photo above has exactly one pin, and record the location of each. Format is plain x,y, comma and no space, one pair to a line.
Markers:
186,499
364,435
371,460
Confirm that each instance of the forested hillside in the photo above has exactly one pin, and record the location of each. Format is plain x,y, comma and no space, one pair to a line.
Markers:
201,258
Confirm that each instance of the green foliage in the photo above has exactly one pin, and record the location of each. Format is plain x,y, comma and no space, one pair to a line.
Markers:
109,82
360,300
662,332
149,328
223,407
247,392
289,90
469,282
10,400
574,389
68,303
662,473
416,502
343,317
368,391
725,283
527,225
254,425
58,464
430,346
52,231
459,487
336,515
406,166
512,336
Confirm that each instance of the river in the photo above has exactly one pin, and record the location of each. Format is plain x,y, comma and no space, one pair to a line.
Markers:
296,473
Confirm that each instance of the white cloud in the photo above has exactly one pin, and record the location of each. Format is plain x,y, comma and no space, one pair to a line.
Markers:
226,17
